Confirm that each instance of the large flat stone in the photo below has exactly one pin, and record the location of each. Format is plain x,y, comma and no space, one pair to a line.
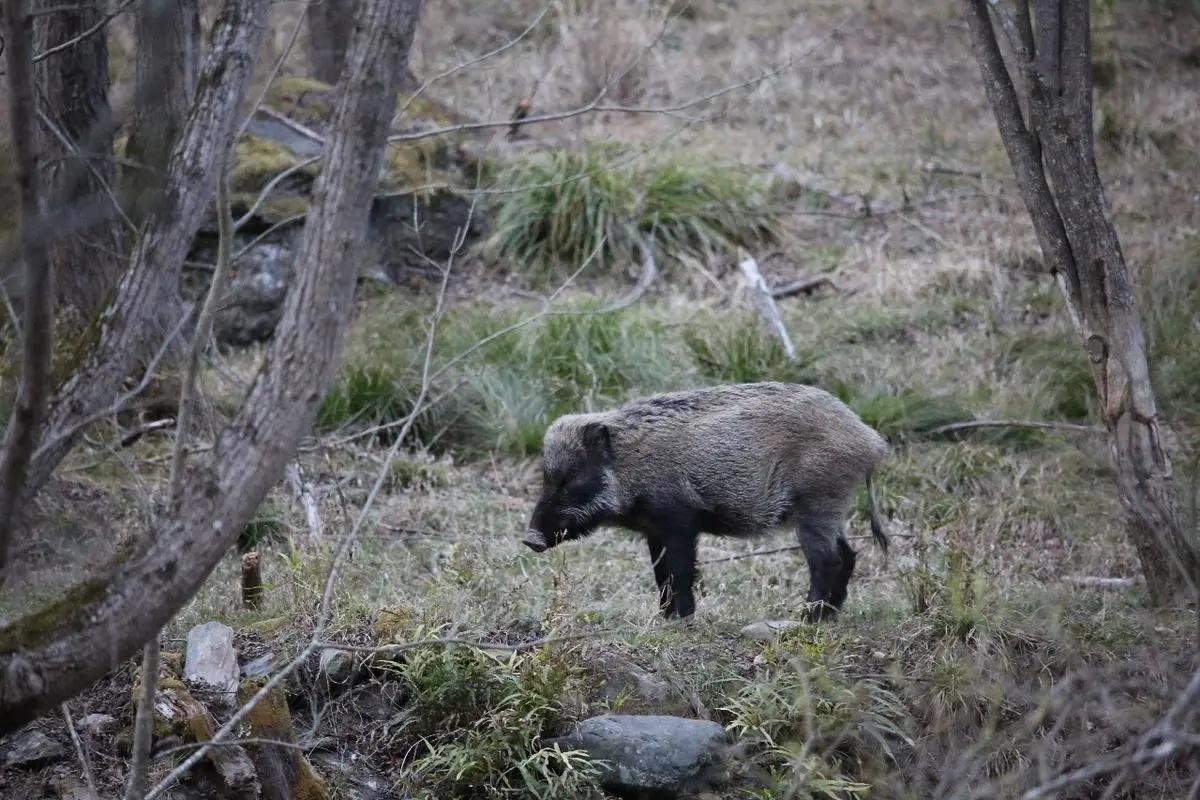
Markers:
652,755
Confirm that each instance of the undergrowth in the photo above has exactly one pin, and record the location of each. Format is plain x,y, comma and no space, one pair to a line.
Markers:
562,208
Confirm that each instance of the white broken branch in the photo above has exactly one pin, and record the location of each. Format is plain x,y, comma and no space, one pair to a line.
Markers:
302,492
766,304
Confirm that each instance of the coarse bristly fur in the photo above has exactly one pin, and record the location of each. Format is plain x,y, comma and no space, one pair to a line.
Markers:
733,460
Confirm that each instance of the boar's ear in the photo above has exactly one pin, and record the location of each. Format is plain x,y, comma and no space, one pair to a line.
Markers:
596,438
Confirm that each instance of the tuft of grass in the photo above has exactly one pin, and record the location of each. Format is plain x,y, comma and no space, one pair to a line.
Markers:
815,730
563,207
268,525
898,413
1170,305
1057,372
741,352
477,720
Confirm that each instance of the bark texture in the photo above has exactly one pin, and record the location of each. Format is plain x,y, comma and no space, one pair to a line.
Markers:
111,620
1054,162
330,27
21,434
75,138
147,303
168,57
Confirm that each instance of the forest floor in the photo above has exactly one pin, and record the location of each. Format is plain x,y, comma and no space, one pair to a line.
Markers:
976,661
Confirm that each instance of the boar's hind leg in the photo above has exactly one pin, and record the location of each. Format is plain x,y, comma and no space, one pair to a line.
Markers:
674,559
828,568
838,595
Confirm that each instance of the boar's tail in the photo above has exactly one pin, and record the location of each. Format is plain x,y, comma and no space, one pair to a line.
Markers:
876,521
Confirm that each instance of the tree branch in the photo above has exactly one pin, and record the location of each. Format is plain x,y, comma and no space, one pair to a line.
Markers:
148,294
250,453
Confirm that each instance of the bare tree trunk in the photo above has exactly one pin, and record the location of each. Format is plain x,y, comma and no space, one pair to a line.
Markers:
110,619
1080,242
21,434
168,55
75,137
134,324
330,26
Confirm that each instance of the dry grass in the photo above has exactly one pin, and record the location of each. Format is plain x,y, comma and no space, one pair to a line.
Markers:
971,634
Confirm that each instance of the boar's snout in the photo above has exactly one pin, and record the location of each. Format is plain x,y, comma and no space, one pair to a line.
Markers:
535,541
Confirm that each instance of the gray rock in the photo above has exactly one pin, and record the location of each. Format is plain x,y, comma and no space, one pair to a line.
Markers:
30,748
337,668
653,754
768,630
258,667
211,662
96,724
254,304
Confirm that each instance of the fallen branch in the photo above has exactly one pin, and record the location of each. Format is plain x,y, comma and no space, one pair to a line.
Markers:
766,304
805,285
1102,582
1014,423
83,759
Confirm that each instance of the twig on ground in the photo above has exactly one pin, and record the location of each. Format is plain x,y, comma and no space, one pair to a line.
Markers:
806,285
1014,423
88,778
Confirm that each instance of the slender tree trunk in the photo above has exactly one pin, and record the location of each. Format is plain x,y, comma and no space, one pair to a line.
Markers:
107,620
1079,241
147,305
168,56
20,437
75,138
330,27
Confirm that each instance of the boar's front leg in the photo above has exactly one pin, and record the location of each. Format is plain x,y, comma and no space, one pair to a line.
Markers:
674,558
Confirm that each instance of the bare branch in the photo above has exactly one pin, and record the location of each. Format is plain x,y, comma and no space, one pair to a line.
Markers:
1014,423
36,337
99,26
84,763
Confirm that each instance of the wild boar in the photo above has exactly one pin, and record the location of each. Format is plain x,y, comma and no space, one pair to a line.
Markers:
733,460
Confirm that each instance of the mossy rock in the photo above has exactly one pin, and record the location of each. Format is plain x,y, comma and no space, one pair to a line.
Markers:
394,625
305,100
256,161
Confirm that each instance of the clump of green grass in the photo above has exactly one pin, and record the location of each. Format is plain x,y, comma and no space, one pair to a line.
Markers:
813,728
565,207
1170,300
477,723
266,526
1056,370
900,412
742,352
